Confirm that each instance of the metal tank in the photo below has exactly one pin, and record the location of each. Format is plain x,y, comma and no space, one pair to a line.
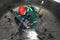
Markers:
48,27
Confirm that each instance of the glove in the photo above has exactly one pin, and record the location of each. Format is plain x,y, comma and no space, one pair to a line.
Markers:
21,20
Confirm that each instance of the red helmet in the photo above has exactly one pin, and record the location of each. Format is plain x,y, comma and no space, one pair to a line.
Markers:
22,10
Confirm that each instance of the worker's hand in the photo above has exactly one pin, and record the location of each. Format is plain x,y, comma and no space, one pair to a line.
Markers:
21,20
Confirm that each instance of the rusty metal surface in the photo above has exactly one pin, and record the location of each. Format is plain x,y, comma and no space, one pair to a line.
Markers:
49,20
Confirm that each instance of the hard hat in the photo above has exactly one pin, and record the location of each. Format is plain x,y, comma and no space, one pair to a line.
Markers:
22,10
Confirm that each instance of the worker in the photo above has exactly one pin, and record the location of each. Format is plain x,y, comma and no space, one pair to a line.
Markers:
28,12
